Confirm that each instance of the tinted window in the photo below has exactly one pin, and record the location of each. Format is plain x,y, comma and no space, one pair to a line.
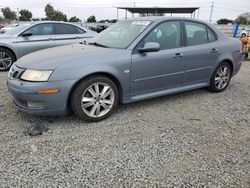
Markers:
66,29
166,34
196,33
80,31
41,29
211,35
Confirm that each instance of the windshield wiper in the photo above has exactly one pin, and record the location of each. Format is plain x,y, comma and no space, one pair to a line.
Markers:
98,44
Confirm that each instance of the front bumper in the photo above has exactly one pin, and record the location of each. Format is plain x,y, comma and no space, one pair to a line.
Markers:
25,97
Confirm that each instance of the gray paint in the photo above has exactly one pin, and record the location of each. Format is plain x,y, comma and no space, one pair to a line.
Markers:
150,74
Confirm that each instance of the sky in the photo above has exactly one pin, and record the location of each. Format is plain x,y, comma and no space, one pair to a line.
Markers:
105,9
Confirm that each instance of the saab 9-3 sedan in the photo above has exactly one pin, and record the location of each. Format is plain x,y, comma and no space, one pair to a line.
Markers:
132,60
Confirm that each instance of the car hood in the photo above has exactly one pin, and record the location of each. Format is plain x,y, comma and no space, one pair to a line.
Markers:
51,58
5,36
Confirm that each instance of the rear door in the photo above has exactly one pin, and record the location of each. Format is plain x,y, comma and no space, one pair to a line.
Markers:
42,37
69,34
200,53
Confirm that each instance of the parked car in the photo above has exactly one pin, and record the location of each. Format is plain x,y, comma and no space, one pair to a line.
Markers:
130,61
98,28
8,28
1,26
34,36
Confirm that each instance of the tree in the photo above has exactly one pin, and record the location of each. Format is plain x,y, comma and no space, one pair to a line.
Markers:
91,19
1,19
224,21
59,16
25,15
8,14
55,15
49,12
242,20
74,19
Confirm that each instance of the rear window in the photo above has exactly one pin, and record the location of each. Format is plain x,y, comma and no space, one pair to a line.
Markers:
62,29
79,30
211,35
197,34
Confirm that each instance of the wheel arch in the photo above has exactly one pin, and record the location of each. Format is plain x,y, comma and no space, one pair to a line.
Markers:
108,75
11,50
230,63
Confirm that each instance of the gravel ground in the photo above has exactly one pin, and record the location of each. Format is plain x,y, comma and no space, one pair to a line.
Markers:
193,139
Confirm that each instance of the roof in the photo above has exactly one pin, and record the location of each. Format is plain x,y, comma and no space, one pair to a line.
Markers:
141,10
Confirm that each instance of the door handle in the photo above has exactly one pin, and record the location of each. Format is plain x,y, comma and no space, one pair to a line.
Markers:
214,50
177,55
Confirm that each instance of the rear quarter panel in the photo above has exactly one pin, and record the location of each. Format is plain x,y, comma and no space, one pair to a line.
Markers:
229,49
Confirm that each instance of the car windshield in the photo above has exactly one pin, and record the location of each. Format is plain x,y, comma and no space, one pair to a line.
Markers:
121,34
17,29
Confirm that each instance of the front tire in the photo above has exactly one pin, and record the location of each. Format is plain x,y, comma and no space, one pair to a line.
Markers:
7,58
94,99
221,77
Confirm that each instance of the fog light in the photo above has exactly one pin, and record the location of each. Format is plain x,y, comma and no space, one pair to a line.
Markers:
32,104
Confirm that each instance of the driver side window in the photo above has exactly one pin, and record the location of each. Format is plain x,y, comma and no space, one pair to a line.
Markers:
41,29
166,34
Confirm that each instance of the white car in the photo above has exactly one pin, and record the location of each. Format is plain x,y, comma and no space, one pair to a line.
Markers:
34,36
8,28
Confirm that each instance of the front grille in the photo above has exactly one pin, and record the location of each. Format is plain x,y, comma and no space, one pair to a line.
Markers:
15,72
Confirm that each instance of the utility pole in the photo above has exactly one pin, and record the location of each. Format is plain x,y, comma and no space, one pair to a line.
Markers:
17,15
134,7
211,12
117,13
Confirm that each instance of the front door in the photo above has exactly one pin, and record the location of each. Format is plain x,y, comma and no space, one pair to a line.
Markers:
160,70
42,37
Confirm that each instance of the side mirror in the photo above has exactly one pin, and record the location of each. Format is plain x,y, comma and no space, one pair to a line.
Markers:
28,34
150,47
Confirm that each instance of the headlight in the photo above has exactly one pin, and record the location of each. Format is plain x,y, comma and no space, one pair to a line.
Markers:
36,75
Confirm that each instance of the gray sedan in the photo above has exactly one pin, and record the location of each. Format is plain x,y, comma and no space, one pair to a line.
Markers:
130,61
35,36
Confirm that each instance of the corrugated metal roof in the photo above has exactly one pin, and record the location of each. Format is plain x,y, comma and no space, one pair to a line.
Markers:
141,10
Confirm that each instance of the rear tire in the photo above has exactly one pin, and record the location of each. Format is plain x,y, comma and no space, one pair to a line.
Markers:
94,98
7,58
221,77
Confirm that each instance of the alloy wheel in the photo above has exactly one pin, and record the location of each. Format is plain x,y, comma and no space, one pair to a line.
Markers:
5,60
222,77
97,99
